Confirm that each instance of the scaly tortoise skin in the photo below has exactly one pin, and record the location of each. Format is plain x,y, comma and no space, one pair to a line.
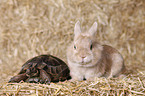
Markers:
43,69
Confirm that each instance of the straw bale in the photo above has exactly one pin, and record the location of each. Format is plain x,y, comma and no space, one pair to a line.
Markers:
32,27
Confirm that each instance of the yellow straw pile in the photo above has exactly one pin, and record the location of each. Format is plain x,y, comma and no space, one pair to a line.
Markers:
32,27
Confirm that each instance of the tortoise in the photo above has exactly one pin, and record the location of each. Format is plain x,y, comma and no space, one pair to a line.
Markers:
43,69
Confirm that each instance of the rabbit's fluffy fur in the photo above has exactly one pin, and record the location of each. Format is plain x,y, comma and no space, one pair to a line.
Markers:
88,59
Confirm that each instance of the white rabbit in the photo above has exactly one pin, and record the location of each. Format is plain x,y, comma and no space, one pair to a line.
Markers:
88,59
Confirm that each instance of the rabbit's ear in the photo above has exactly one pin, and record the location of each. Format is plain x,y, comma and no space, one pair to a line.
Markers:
77,28
93,29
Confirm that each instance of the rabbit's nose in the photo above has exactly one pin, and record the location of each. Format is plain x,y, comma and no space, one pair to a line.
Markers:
83,57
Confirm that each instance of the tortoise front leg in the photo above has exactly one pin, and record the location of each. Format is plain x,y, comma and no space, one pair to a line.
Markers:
45,76
33,80
18,78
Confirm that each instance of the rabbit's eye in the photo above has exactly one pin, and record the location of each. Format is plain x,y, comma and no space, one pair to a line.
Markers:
91,47
75,47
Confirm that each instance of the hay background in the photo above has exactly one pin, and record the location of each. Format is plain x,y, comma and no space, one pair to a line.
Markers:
32,27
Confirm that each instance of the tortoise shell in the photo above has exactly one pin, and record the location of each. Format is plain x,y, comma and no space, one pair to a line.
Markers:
43,69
